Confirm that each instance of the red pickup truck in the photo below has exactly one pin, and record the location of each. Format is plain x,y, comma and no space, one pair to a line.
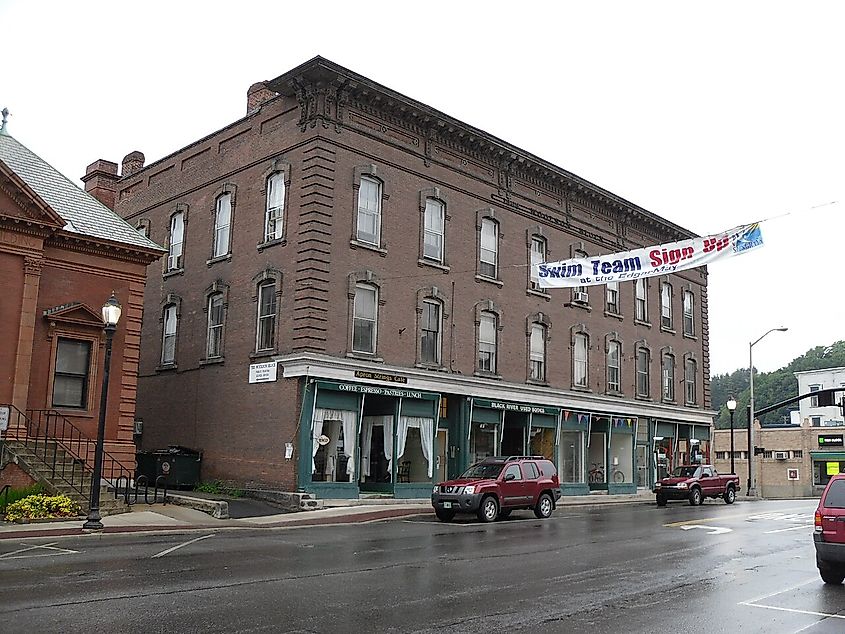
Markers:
694,483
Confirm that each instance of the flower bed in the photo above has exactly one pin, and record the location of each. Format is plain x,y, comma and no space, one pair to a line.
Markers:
36,507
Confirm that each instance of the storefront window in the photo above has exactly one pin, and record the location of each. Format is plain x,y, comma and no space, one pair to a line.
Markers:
482,441
663,458
415,449
621,458
542,442
571,450
824,469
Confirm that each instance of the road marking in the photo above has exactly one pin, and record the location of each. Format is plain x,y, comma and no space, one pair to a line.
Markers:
783,530
178,546
771,594
794,611
711,530
717,519
65,551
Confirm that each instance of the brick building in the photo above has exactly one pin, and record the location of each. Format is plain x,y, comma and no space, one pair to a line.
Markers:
62,253
347,304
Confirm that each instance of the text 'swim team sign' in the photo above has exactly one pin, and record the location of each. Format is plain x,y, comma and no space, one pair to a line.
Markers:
649,261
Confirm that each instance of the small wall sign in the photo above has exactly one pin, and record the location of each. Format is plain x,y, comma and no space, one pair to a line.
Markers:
792,474
262,372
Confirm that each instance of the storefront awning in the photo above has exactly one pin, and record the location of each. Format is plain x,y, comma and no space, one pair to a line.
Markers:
828,455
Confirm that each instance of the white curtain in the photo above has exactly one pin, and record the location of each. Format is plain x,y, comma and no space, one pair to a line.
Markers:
426,427
348,420
350,440
387,421
366,440
316,432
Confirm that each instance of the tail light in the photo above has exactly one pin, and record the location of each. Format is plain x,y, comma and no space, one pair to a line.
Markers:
818,522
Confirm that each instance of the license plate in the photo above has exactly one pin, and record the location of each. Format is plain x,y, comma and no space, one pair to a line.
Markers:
447,505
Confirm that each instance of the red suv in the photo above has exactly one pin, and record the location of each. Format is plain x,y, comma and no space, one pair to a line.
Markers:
496,486
829,536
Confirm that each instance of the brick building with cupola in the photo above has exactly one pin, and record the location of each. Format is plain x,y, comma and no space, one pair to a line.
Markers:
347,305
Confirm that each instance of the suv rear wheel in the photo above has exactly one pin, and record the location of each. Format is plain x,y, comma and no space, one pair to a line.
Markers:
489,509
544,506
833,576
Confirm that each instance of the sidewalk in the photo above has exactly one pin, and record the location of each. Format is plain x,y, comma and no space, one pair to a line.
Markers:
173,518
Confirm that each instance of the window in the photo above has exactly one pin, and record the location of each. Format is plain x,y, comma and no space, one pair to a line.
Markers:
538,256
168,343
668,377
537,353
689,319
214,344
513,471
222,225
641,297
489,248
487,342
614,354
579,293
721,455
266,326
177,233
689,381
797,453
435,222
612,297
70,379
369,211
579,360
430,332
666,305
814,400
365,318
274,215
816,421
767,454
643,379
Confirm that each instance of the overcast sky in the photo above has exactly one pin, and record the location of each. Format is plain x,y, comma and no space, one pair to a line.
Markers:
708,114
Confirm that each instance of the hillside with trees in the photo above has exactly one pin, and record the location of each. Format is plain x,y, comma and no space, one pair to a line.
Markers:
769,387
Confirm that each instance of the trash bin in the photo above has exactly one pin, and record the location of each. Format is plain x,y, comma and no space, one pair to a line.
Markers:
180,465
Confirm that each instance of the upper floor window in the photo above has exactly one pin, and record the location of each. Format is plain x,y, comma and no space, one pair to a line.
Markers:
266,326
814,400
580,294
614,356
274,215
689,320
369,211
177,234
643,367
435,223
538,256
612,297
641,298
487,342
222,225
537,353
70,377
489,251
214,340
666,305
365,318
580,360
689,381
168,342
430,326
668,374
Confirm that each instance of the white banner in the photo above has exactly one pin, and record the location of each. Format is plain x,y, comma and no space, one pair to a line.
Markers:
649,261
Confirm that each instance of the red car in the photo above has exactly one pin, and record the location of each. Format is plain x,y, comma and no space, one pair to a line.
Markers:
829,535
496,486
694,483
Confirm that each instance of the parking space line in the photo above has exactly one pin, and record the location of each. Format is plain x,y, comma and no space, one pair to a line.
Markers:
699,520
794,611
178,546
771,594
783,530
11,555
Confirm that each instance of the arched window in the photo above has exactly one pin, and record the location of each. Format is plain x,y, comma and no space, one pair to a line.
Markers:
580,359
537,353
538,256
641,299
489,248
689,319
214,339
369,211
643,372
175,240
666,305
614,366
690,377
487,342
265,329
274,215
434,229
222,225
365,319
430,332
668,374
170,324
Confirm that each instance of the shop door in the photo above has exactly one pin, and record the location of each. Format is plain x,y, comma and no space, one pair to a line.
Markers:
642,467
597,473
513,434
442,455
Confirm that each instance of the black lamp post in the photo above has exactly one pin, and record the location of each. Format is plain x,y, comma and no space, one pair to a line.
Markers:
111,315
731,407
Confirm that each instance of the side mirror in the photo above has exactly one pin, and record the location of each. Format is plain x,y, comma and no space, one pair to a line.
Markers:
510,477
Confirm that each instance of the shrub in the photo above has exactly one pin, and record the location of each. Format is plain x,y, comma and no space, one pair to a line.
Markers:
21,493
42,507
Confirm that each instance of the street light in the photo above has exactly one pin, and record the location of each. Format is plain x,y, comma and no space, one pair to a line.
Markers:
731,407
749,490
111,315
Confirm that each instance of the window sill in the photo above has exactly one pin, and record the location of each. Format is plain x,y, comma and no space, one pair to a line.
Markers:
537,382
433,367
536,293
173,272
434,264
357,244
640,322
271,243
219,258
212,361
613,315
262,354
641,397
690,337
696,406
581,388
671,331
487,375
364,356
75,413
615,393
668,401
580,305
489,280
166,367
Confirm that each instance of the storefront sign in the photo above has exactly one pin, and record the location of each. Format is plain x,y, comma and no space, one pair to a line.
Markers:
378,376
831,440
262,372
516,407
650,261
380,391
832,468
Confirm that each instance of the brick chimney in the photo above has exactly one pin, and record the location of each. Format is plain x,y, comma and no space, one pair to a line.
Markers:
132,162
257,94
101,181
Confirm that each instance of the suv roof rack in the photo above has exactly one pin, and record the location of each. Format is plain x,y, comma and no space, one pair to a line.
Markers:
525,458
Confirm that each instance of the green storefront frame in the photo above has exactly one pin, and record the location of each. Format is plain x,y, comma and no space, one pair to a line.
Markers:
579,422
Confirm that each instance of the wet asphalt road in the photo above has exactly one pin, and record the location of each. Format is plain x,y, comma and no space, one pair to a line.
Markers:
632,568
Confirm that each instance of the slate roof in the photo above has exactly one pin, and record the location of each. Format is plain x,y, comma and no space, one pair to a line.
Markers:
83,213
